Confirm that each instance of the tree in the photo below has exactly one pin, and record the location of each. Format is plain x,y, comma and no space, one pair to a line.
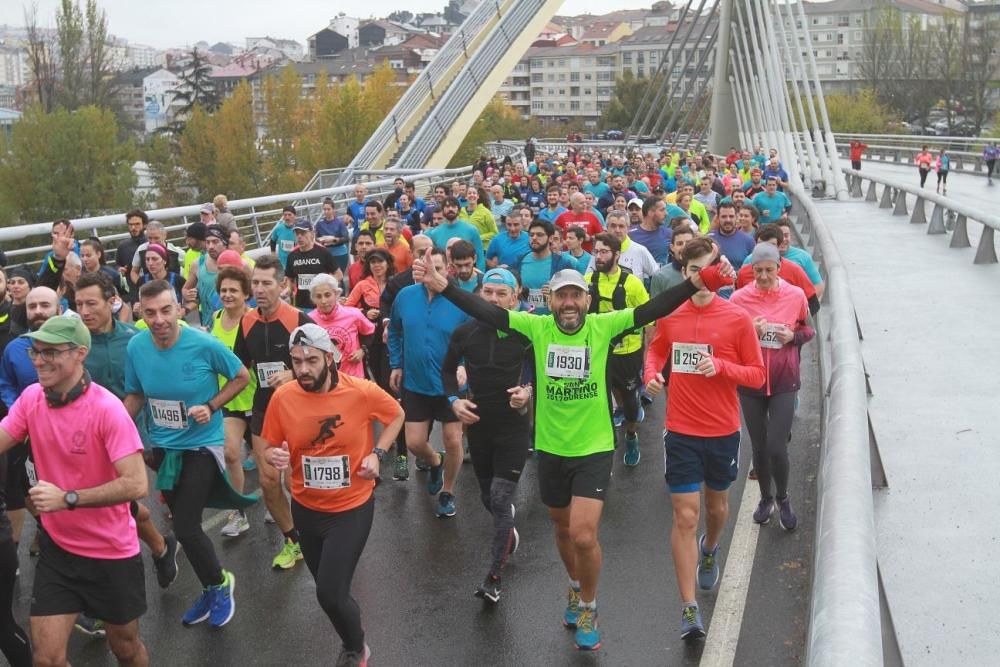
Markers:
100,76
881,45
497,121
949,56
72,54
285,127
160,153
979,67
627,103
41,61
401,16
861,113
66,164
196,90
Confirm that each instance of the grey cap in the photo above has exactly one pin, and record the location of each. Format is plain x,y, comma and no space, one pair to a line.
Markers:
567,278
313,335
765,252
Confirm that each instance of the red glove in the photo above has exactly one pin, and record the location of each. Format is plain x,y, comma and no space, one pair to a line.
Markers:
713,278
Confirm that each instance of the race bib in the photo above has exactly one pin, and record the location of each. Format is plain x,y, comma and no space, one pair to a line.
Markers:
168,414
266,369
565,361
287,246
770,337
536,298
326,472
305,280
686,356
29,467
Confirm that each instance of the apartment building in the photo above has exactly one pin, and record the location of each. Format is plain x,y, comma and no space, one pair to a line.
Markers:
572,81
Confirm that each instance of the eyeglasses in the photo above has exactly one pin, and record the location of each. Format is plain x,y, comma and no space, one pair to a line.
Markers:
49,353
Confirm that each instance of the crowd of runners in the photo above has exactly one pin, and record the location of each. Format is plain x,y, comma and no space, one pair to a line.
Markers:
533,312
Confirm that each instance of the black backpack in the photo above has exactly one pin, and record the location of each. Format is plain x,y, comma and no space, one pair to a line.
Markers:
617,296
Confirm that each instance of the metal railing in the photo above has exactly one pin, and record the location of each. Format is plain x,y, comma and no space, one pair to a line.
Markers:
968,161
845,614
947,213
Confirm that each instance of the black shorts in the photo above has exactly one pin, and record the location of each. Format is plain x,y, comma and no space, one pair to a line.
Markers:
691,460
560,478
499,449
245,415
16,487
112,590
257,421
625,370
424,408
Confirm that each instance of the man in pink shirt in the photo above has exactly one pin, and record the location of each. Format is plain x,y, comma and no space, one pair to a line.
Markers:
347,327
88,467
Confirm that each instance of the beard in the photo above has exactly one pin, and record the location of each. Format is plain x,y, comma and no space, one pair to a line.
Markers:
603,265
569,319
315,383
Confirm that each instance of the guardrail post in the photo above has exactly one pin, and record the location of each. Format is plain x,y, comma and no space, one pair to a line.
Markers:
937,221
960,238
919,216
979,164
886,201
900,203
856,186
895,157
986,253
872,194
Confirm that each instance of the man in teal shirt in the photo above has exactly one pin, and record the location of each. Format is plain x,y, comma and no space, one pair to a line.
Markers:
452,228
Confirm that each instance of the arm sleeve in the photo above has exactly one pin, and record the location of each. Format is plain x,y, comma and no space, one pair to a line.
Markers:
477,308
354,298
240,348
365,326
493,251
16,423
809,266
51,272
120,436
273,431
383,407
8,386
132,383
452,359
396,337
663,303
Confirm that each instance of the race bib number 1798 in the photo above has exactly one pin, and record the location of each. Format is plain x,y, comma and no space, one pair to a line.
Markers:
326,472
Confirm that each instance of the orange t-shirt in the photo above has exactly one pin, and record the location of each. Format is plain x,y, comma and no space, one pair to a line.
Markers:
328,436
401,255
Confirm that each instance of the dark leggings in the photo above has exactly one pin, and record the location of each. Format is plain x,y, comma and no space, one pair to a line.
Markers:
990,164
498,454
923,175
943,176
769,421
332,543
187,502
13,641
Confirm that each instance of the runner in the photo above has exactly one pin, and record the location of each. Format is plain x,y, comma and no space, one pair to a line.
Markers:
325,418
633,257
858,149
506,250
734,243
172,376
233,286
305,262
574,437
990,154
282,236
671,273
262,346
788,271
924,160
495,413
772,204
453,227
539,265
942,165
199,289
347,327
779,313
90,561
579,216
712,348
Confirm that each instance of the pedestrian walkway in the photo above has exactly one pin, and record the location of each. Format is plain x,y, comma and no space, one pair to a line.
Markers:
929,316
971,189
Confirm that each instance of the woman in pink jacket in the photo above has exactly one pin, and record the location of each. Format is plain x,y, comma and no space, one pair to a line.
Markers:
779,311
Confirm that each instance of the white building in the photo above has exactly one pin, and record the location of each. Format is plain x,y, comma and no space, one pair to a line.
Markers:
159,91
13,66
291,49
572,81
348,27
141,56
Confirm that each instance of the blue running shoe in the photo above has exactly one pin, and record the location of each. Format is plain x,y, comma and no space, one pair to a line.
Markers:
642,415
201,609
249,464
435,480
708,567
618,417
223,602
446,505
588,635
572,612
632,454
691,625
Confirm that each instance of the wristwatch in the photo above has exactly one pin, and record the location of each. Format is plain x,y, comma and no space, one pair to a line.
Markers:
380,453
71,499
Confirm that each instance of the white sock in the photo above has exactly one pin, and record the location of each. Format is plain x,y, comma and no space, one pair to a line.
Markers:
575,584
589,605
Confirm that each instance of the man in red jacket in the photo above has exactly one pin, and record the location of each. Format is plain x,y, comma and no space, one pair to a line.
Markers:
712,348
857,150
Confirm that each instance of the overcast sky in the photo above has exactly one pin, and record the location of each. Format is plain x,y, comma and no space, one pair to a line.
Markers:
166,23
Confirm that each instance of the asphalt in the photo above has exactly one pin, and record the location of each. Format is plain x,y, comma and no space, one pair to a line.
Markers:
418,573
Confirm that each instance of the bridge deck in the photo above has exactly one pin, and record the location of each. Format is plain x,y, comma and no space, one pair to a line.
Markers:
928,316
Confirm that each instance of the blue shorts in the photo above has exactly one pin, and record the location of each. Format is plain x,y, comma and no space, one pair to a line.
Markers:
691,460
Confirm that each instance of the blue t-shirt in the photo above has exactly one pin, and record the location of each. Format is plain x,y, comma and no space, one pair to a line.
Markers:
357,211
582,262
335,227
549,216
283,237
656,242
736,247
535,273
507,250
444,232
775,206
599,190
175,380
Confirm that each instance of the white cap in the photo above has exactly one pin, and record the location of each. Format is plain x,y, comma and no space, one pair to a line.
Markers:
567,278
313,335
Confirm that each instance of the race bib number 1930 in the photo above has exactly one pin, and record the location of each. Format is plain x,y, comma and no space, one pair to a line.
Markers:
685,357
770,337
565,361
326,472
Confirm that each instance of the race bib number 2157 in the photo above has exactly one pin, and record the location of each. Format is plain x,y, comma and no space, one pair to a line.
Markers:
685,357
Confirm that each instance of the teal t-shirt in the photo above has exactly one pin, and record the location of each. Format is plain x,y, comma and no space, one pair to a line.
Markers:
572,416
175,380
535,273
775,206
284,240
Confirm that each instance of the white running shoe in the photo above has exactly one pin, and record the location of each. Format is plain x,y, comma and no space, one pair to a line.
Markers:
236,524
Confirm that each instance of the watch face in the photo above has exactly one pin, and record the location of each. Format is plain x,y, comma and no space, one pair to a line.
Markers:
72,498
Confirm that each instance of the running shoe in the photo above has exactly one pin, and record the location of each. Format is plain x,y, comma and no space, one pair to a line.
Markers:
708,567
489,589
436,479
268,518
765,508
691,625
236,524
588,635
618,417
645,398
249,464
289,555
786,517
642,415
201,609
223,604
166,565
752,474
353,658
421,466
446,505
632,454
91,627
572,613
401,472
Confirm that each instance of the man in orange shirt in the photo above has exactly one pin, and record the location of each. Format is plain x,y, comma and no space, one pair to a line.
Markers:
320,426
397,247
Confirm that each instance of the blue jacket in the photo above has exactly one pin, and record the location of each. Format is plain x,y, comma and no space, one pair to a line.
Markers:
16,370
419,346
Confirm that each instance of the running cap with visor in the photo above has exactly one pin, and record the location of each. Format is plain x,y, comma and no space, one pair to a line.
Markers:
500,276
567,278
313,335
62,329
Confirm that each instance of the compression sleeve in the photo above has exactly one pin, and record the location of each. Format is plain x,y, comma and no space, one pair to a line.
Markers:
477,308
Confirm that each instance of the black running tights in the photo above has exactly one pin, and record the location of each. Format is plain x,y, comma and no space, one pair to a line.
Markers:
769,421
187,502
13,641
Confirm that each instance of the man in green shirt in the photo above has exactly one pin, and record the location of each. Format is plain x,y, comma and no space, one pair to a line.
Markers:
574,436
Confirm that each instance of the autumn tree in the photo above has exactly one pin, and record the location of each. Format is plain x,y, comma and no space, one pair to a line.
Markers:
285,127
497,121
